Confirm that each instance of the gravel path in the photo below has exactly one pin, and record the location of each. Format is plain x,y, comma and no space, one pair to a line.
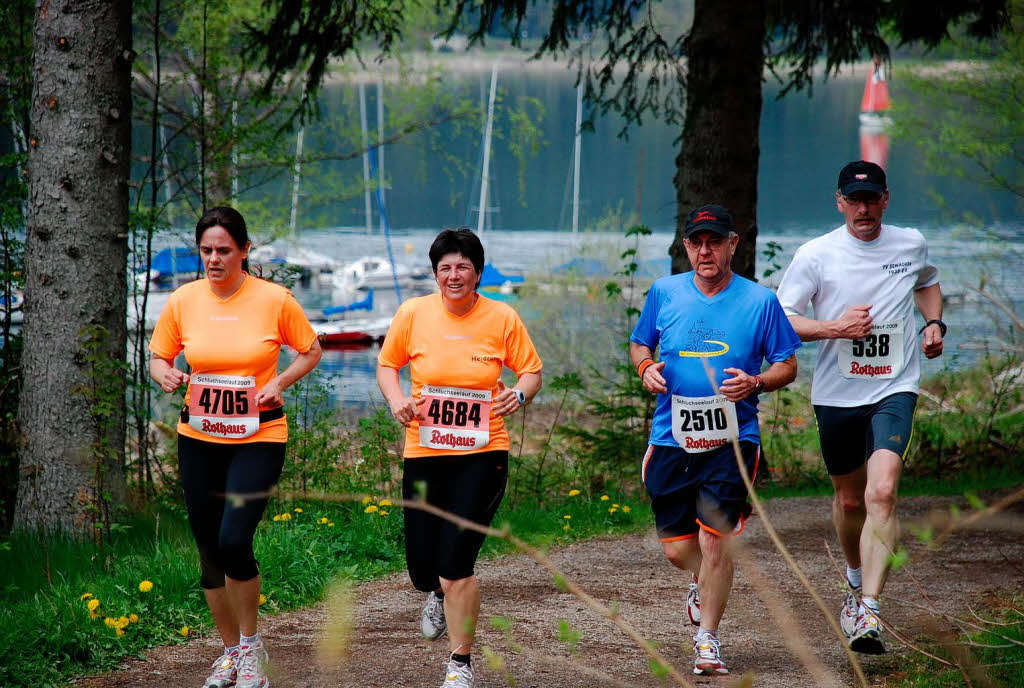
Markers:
632,573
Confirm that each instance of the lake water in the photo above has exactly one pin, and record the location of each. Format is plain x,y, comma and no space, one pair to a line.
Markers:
804,141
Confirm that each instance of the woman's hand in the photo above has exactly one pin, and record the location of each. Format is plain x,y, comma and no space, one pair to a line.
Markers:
505,402
406,409
271,396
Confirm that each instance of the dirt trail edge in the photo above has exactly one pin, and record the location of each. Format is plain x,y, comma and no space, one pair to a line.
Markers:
632,573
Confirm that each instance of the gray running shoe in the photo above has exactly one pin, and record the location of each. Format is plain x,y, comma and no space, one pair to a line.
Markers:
432,622
867,635
458,675
848,614
252,667
693,602
224,671
708,660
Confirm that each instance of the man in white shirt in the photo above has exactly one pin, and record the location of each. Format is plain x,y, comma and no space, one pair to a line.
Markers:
862,280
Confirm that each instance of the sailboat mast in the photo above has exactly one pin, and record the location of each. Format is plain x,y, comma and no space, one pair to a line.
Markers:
485,175
576,162
380,142
366,159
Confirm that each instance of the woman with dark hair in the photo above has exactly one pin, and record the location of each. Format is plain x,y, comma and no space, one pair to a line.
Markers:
232,433
455,343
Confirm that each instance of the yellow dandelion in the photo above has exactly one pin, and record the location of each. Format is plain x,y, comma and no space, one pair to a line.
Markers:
605,498
367,500
286,517
133,618
615,505
94,615
574,493
145,586
298,510
565,527
184,630
567,517
331,524
612,510
277,517
93,604
385,502
323,519
625,509
384,513
109,622
85,596
119,632
370,509
122,622
263,598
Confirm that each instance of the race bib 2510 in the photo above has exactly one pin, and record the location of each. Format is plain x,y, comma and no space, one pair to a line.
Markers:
701,424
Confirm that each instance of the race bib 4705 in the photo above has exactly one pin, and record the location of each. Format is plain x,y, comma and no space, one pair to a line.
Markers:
700,424
879,356
454,418
223,405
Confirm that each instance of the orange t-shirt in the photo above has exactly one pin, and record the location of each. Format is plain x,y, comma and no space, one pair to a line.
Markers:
465,351
240,335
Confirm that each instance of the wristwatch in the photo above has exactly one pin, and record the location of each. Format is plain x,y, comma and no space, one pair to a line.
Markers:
942,326
520,395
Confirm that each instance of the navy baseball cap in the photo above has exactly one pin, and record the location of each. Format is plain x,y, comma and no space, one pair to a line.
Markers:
710,218
861,175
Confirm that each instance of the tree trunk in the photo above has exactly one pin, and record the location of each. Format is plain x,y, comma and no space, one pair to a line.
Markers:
719,156
72,411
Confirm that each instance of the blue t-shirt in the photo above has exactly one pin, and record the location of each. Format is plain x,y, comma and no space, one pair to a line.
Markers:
740,327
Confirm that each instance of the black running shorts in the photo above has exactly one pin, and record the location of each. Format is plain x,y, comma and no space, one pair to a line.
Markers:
850,435
467,485
693,491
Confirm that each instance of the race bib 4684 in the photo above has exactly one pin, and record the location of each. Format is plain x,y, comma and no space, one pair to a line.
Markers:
454,418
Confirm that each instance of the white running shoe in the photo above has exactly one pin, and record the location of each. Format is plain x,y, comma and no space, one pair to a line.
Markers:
693,602
457,675
708,661
867,634
848,614
432,622
252,666
224,671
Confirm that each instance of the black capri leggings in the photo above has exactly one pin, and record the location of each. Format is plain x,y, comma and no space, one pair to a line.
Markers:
468,485
224,531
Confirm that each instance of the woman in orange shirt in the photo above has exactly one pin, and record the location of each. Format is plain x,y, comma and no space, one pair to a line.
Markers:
455,343
232,434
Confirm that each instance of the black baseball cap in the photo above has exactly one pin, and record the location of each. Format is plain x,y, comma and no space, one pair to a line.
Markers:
861,175
710,218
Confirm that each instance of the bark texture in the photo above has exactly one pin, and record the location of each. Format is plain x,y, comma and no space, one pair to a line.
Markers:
718,160
72,411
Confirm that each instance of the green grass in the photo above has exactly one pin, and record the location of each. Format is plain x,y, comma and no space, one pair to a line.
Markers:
47,635
996,667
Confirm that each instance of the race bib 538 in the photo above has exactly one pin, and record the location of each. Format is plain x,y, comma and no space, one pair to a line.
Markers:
454,418
879,356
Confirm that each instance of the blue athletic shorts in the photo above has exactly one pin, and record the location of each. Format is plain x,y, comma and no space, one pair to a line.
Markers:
850,435
693,491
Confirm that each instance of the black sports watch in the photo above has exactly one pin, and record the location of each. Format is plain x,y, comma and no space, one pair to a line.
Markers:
520,395
936,321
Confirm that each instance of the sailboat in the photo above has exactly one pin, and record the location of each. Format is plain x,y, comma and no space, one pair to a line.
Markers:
874,105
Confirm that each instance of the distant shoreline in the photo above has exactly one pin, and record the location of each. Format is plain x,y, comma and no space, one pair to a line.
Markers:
481,60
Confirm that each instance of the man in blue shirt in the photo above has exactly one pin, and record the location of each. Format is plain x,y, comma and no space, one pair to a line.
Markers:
714,330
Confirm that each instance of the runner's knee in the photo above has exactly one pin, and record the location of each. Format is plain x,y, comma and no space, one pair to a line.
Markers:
454,587
880,497
849,502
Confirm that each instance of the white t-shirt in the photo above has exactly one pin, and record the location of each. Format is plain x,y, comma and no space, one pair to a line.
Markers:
836,271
